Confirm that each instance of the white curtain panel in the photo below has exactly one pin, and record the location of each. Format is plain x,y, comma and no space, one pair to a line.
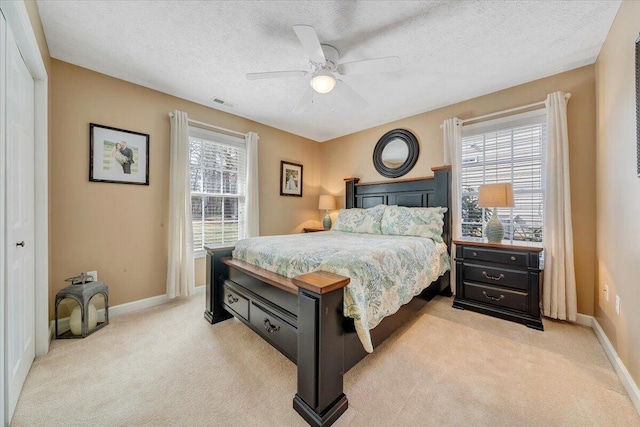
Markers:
559,287
252,209
180,269
452,133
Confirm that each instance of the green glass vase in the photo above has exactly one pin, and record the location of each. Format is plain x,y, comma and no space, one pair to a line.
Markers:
494,229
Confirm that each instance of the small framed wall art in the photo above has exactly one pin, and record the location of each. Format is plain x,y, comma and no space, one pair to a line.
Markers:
290,179
118,156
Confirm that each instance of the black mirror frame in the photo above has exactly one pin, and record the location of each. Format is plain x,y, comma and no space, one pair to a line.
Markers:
414,151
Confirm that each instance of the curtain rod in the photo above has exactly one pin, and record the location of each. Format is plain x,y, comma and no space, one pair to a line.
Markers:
510,110
196,122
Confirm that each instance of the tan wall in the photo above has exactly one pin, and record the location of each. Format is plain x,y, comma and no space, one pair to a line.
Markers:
352,155
618,189
121,230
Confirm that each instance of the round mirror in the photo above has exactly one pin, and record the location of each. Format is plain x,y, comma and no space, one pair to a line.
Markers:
396,153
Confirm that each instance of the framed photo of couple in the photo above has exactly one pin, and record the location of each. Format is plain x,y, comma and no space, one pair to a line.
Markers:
118,156
290,179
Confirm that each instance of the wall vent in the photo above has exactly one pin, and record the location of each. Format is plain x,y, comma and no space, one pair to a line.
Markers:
222,102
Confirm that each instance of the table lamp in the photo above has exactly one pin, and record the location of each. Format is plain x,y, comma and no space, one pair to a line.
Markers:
327,202
495,196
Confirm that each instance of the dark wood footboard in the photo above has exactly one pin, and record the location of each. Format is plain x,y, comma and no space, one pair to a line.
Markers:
301,317
217,272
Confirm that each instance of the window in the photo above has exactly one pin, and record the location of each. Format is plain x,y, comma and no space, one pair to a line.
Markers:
218,188
509,149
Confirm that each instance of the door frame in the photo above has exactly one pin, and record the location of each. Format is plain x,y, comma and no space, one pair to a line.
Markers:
17,19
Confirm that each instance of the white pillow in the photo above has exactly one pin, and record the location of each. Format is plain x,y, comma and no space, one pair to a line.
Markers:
422,222
358,220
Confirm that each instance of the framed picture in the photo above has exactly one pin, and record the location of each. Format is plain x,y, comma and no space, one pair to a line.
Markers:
638,106
290,179
117,155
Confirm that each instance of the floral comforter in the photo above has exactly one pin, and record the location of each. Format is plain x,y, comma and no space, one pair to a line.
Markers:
385,271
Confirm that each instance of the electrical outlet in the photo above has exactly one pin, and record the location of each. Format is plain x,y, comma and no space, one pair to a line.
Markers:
606,292
93,274
617,304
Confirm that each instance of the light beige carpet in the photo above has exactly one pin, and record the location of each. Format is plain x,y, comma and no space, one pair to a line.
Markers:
167,366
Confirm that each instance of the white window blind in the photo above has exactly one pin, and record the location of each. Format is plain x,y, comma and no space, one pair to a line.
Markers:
505,150
218,188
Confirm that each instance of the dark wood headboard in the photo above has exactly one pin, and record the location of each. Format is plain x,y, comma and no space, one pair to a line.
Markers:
418,192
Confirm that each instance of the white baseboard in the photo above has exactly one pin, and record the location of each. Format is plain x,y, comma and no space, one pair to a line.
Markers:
117,310
132,306
584,320
624,375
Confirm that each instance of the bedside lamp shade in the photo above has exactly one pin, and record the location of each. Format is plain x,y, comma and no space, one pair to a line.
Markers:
327,202
495,196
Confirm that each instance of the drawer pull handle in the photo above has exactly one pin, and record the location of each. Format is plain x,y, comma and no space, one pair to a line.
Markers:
475,254
492,298
513,258
231,299
270,327
496,278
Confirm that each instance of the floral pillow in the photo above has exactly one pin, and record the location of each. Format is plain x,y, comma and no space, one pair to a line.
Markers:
423,222
358,220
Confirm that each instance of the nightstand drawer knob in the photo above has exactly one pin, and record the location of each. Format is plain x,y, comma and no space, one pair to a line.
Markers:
492,298
513,258
475,254
496,278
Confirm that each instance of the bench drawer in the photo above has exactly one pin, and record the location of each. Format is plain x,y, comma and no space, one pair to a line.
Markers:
276,331
235,302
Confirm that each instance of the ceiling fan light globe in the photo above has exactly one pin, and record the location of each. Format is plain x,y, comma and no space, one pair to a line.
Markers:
323,82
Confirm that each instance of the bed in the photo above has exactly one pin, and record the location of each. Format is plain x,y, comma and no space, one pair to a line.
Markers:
304,316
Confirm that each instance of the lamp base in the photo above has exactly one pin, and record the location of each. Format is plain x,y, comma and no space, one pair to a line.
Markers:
326,222
494,229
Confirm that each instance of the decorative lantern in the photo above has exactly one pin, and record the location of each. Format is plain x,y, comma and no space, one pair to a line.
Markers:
83,320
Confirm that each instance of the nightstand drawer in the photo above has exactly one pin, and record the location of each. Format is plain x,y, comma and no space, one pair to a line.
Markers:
497,296
496,276
493,255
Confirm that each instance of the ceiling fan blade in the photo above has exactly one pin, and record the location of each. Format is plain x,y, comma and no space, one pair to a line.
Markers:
309,39
305,102
275,75
350,95
377,65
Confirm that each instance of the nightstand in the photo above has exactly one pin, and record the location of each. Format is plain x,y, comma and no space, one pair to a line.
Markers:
312,230
499,279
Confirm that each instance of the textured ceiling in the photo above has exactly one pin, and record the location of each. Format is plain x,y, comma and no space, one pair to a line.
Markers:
451,51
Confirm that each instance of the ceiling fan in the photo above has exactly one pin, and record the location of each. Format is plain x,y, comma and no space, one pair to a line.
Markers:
323,68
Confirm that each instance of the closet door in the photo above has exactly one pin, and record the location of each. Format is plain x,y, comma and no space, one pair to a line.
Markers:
19,221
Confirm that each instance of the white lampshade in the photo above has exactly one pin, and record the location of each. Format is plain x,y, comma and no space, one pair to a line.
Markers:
496,195
323,81
327,201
